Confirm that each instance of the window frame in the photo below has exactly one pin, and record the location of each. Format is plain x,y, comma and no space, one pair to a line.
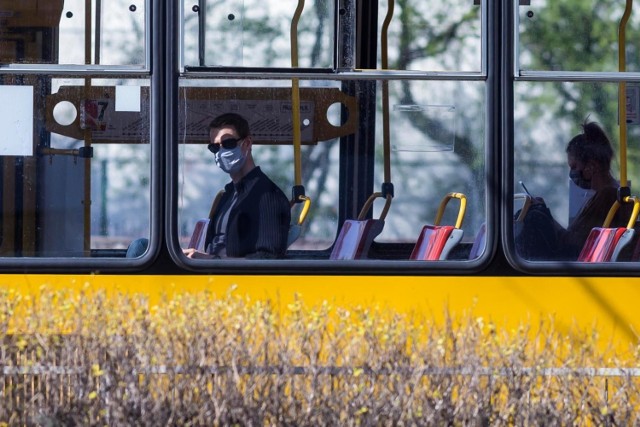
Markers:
490,61
155,41
514,75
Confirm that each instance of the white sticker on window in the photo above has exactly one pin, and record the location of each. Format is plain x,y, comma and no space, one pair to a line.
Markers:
128,98
16,120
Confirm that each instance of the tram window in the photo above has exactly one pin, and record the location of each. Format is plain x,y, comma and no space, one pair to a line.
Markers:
548,115
267,107
438,141
569,35
86,171
438,147
435,36
56,32
256,33
119,35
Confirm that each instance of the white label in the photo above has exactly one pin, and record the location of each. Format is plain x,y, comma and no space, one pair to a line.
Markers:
128,98
16,120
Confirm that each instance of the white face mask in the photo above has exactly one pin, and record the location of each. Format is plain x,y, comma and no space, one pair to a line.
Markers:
230,161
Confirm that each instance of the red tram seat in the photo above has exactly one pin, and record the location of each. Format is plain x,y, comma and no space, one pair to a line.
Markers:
435,242
605,244
199,235
355,238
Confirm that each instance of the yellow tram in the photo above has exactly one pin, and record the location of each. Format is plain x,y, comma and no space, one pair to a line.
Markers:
104,112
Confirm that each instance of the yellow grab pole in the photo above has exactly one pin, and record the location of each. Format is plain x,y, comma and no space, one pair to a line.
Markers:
386,136
622,93
88,29
295,95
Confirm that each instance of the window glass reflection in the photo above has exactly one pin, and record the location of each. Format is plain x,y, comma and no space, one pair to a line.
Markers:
87,170
74,32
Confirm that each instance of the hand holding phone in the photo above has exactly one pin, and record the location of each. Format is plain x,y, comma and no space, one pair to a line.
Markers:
534,200
525,189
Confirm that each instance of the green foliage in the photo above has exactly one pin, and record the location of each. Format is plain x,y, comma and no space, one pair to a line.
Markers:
573,36
582,36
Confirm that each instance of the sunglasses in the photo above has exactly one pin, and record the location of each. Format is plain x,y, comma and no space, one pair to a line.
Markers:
229,144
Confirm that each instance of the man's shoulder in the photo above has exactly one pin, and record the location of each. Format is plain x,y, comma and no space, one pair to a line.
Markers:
260,182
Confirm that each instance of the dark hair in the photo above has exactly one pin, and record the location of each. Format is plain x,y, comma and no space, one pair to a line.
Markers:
238,122
591,145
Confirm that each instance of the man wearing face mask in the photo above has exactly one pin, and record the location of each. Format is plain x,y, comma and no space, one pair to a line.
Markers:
253,216
589,156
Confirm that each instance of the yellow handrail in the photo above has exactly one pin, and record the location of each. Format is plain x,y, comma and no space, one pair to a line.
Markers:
614,209
387,188
461,211
622,93
386,134
305,208
295,94
298,195
88,136
369,203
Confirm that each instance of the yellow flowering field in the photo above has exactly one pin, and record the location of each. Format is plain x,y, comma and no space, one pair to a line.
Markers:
92,358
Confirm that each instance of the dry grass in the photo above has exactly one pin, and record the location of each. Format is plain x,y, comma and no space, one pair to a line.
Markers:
198,359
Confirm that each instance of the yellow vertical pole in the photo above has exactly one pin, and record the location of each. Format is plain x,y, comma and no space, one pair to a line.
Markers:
622,93
386,133
86,201
295,95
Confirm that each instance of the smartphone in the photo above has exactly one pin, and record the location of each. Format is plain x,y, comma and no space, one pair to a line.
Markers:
525,189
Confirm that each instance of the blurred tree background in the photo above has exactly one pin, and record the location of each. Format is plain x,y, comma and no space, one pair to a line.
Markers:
444,119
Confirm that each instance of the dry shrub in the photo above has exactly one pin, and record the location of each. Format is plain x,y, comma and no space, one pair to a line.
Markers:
198,359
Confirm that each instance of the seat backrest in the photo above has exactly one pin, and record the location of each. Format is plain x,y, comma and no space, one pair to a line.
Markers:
199,235
479,243
294,233
435,242
355,238
604,244
635,255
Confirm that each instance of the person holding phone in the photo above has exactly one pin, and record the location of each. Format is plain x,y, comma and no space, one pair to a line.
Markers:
589,156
